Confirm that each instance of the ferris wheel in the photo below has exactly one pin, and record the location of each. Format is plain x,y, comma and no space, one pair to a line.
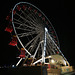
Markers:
32,33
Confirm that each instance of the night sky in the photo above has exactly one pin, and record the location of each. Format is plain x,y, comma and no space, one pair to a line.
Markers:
60,13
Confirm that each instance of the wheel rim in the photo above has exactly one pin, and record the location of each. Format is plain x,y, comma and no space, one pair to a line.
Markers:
29,23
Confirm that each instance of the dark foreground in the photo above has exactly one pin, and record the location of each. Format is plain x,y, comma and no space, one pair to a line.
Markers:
35,70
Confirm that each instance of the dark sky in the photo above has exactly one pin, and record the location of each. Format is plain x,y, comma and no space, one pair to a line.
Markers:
60,13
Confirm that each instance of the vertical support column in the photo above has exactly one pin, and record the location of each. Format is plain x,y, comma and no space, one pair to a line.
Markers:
44,50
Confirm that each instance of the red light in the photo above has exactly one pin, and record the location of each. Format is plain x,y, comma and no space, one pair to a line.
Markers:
24,7
54,36
52,31
57,52
9,29
14,12
43,18
47,22
22,55
49,66
18,8
8,17
35,11
13,42
30,8
10,20
40,15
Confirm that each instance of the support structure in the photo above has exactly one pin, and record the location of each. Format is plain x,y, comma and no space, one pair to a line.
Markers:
19,61
44,50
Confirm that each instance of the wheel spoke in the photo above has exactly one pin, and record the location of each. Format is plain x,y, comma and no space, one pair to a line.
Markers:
27,21
29,18
27,34
32,40
20,24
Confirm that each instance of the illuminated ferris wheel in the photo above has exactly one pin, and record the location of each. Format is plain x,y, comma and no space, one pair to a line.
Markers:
32,33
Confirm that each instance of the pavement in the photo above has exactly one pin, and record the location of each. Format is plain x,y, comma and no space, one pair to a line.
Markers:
70,73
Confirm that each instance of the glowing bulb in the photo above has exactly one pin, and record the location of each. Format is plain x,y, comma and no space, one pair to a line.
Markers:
52,61
46,29
49,56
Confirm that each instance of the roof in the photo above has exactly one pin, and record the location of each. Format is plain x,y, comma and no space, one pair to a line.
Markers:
58,59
